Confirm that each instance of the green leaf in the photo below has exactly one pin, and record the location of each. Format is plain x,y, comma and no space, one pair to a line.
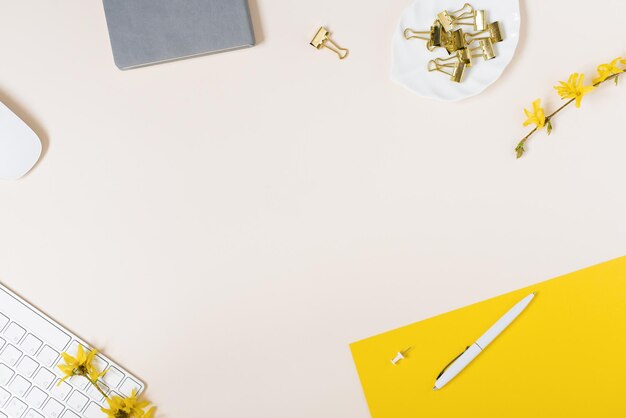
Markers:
549,127
519,150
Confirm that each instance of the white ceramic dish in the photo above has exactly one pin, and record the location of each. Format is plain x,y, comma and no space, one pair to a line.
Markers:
20,147
410,57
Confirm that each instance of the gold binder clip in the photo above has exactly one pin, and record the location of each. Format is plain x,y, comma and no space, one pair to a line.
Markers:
486,49
322,40
492,31
447,19
477,20
454,69
453,41
464,55
432,36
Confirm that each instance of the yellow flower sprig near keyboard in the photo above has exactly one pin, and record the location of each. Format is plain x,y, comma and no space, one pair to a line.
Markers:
573,90
82,365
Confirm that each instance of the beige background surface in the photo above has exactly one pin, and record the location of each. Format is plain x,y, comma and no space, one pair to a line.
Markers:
225,226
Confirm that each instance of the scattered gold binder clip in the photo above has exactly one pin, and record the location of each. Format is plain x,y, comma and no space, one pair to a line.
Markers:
486,49
464,55
453,41
477,20
448,19
445,33
433,36
322,40
454,69
492,30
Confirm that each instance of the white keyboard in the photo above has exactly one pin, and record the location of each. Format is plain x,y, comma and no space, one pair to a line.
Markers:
30,347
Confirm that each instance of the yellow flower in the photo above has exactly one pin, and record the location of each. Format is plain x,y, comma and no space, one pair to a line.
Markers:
573,88
537,116
607,70
130,407
81,365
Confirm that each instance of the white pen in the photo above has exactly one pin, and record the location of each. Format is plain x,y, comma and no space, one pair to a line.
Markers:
460,362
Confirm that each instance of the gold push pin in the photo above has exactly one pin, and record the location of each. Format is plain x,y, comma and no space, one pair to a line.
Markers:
485,46
447,19
322,40
492,31
454,70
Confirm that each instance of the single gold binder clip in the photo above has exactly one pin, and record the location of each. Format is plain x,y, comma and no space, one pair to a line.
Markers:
454,69
322,40
464,55
492,31
448,19
477,20
453,41
432,36
485,46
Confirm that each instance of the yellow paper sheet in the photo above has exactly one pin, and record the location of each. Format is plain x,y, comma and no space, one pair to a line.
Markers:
563,357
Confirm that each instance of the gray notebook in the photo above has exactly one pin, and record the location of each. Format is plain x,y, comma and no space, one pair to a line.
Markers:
145,32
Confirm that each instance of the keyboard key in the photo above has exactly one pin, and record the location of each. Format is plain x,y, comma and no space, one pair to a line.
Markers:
15,408
36,397
94,411
47,356
4,397
33,414
128,386
79,382
70,414
113,377
77,401
19,386
95,394
52,409
2,415
35,323
44,378
60,391
27,366
3,321
5,374
31,344
10,355
14,333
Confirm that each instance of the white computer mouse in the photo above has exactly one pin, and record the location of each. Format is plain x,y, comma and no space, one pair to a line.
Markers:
20,147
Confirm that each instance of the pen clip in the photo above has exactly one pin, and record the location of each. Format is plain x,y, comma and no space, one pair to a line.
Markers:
451,361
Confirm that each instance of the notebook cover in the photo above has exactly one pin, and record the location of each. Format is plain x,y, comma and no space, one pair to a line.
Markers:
144,32
563,357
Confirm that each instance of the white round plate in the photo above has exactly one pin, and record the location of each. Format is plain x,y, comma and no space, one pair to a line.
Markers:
410,57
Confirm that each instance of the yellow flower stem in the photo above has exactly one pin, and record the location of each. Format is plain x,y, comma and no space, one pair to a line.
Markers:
520,144
97,387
